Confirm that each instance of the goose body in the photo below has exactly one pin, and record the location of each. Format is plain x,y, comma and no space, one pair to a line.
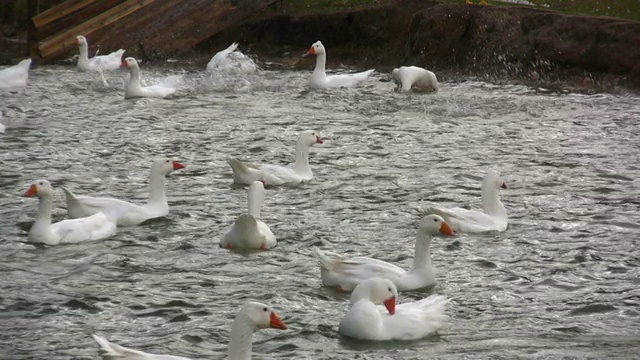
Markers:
247,173
408,321
346,273
492,217
123,212
252,317
231,60
413,78
134,88
15,77
248,231
319,78
97,63
95,227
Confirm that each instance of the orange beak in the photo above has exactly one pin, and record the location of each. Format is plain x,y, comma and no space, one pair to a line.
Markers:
390,304
177,165
446,229
276,323
319,140
504,185
311,51
32,191
124,64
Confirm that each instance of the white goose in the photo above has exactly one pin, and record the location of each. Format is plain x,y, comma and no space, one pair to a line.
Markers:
231,60
16,76
252,317
134,89
94,227
319,78
493,216
248,232
97,63
408,78
247,173
345,273
408,321
126,213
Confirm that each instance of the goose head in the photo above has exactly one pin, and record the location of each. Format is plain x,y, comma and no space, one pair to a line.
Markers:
39,188
316,49
378,291
129,62
493,180
165,166
80,40
434,225
262,316
310,137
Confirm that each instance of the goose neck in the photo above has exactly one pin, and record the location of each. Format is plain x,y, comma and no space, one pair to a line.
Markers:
156,185
256,199
321,61
44,210
240,342
302,159
422,255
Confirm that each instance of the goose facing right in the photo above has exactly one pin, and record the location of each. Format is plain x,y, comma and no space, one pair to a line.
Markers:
252,317
408,321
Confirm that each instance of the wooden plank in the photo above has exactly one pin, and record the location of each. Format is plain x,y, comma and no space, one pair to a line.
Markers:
60,11
65,40
88,12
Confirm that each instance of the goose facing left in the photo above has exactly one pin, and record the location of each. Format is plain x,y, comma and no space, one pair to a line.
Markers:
126,213
252,317
94,227
99,62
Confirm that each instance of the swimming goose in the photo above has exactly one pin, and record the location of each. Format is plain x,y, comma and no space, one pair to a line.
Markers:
248,231
408,321
252,317
95,227
492,217
319,78
413,78
97,63
247,173
345,273
126,213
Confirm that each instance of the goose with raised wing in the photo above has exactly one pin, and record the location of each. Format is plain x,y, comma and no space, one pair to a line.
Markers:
134,89
126,213
231,60
247,173
252,317
345,273
365,320
15,77
492,217
319,78
95,227
248,231
413,78
99,62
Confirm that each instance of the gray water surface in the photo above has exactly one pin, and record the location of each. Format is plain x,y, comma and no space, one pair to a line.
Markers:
561,282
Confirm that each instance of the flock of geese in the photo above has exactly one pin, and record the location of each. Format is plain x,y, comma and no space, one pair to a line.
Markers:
373,313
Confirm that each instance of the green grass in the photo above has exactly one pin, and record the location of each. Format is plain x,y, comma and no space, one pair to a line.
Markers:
625,9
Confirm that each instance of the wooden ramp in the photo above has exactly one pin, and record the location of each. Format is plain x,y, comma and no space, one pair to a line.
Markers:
147,28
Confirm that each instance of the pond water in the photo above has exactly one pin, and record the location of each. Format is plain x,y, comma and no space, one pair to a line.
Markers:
560,282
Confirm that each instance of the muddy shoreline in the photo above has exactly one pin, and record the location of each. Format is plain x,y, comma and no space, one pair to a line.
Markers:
457,41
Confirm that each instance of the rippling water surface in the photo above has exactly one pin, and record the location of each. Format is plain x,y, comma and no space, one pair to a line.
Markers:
561,282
